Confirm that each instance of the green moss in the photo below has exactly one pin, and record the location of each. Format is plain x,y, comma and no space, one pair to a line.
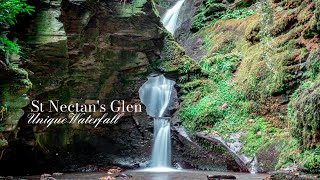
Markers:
317,17
238,13
51,140
244,3
3,143
313,64
258,134
174,59
308,34
302,107
133,8
155,10
211,11
208,12
210,101
210,146
305,122
311,160
13,98
243,97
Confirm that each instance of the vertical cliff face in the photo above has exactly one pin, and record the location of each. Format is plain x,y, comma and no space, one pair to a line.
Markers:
87,50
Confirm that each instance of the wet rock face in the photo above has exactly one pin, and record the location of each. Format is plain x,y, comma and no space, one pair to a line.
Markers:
183,32
267,157
186,14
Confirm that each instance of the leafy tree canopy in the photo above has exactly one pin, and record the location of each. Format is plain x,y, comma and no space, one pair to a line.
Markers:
9,9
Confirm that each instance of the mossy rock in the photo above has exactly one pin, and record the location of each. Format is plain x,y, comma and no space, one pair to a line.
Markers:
244,3
174,59
19,82
129,9
217,7
13,98
305,116
3,143
57,137
268,155
317,17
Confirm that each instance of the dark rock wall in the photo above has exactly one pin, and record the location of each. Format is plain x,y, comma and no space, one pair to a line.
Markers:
83,50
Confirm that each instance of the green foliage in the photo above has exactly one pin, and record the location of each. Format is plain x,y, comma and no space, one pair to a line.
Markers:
8,12
162,3
217,103
244,3
222,104
304,120
7,45
220,66
289,152
238,13
301,111
210,11
10,9
133,8
311,159
209,101
199,20
258,133
317,14
279,8
314,69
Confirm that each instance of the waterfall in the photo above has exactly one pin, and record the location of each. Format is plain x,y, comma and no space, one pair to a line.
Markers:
155,94
170,18
161,153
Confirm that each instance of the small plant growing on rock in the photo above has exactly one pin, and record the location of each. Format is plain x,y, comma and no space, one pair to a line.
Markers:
2,111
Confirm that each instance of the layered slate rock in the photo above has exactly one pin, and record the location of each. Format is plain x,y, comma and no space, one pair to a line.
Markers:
87,50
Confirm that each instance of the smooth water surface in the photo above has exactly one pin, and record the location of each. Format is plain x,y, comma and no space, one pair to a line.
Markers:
175,175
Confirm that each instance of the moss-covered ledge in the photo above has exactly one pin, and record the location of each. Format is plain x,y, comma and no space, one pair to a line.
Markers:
174,60
14,84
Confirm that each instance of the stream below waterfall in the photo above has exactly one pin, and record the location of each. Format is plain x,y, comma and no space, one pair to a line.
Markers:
177,175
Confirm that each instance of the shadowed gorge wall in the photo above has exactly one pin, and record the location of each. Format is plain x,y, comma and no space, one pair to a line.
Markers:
96,50
83,50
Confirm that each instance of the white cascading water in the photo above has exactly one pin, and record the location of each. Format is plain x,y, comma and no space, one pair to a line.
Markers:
155,94
161,152
170,18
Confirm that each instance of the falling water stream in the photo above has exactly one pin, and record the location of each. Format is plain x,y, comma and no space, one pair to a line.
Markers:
170,18
155,94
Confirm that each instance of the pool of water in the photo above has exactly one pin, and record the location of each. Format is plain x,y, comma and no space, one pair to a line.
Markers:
146,175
